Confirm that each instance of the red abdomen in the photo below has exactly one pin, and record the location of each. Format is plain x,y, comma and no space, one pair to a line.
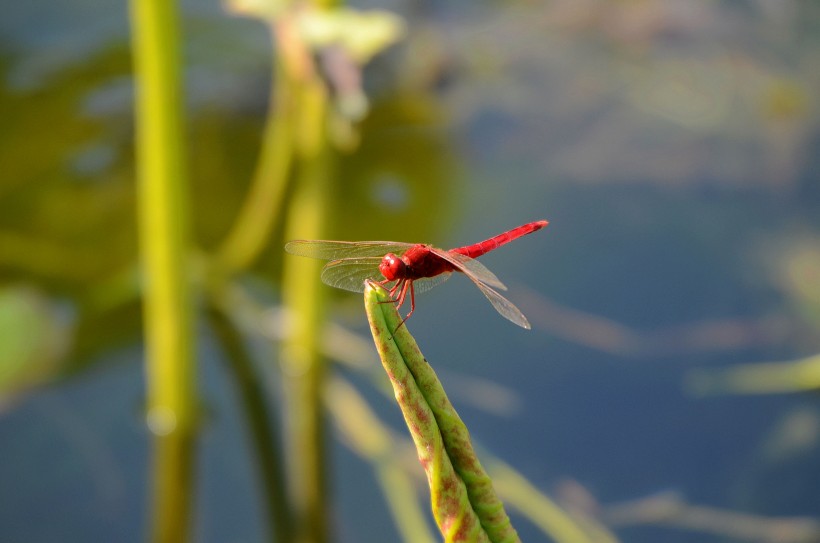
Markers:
477,249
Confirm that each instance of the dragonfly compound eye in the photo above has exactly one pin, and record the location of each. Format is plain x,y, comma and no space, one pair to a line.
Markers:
392,267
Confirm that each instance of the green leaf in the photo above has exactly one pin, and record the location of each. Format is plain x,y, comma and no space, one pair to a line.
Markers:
34,339
465,506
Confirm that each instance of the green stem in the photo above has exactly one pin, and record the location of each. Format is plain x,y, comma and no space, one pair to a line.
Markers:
263,204
164,238
262,426
172,481
371,439
303,297
465,506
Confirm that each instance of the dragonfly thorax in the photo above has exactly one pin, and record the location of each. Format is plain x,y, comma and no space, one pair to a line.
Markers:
392,267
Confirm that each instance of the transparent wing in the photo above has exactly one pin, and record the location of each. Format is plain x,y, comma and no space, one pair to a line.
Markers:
504,306
471,267
350,273
338,250
426,283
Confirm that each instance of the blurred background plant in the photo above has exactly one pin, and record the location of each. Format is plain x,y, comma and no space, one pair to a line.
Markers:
672,146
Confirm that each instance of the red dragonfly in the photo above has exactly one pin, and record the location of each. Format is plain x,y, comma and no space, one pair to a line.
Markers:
412,266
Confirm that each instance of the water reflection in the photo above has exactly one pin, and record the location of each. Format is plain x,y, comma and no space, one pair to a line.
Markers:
672,147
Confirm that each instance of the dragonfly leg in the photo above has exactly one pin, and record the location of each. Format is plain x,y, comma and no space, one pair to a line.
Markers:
395,289
383,283
412,301
391,291
401,287
403,293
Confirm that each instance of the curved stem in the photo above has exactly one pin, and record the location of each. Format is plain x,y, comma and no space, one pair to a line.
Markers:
265,198
262,425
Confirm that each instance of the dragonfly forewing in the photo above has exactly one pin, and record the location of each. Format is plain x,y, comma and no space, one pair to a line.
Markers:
339,250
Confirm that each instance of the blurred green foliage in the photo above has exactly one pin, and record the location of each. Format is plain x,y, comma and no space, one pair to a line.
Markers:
591,92
34,338
67,203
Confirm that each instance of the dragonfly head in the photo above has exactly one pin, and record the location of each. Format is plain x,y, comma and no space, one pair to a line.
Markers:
392,267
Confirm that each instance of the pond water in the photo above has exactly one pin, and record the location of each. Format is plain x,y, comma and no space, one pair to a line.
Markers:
672,147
